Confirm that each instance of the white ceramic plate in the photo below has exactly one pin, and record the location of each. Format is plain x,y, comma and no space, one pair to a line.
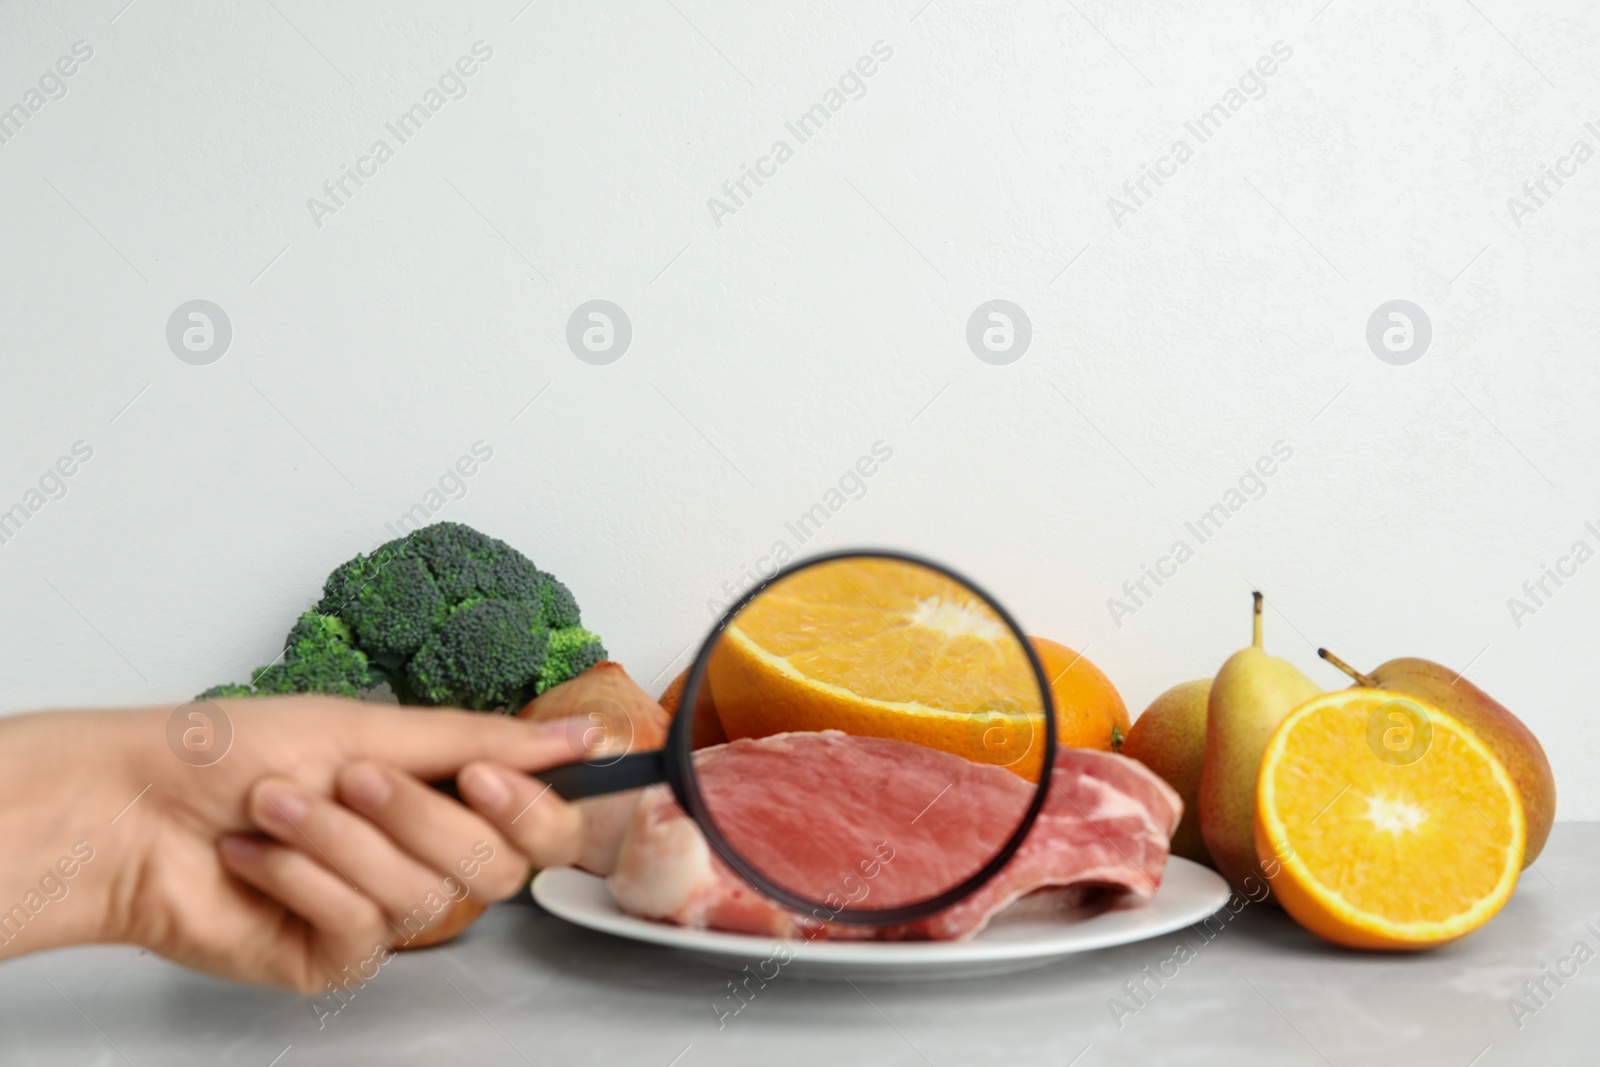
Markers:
1188,893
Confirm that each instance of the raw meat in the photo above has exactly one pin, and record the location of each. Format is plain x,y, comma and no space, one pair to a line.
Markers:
869,822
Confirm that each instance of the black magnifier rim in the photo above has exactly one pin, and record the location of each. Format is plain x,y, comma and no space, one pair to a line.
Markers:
679,757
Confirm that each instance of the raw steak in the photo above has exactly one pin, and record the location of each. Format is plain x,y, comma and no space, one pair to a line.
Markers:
869,822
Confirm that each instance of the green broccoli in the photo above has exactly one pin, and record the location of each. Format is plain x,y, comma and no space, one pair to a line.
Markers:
444,615
487,653
227,691
572,651
319,656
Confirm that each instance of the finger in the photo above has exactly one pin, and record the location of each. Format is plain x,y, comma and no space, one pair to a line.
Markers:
436,743
543,827
346,927
428,743
439,832
356,851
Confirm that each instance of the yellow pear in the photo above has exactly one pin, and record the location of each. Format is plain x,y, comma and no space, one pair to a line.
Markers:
1170,739
1251,695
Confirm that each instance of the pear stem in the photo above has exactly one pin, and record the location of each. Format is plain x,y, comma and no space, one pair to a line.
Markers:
1361,679
1255,620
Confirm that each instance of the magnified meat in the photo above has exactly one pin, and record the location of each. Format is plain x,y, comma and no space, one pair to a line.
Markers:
867,822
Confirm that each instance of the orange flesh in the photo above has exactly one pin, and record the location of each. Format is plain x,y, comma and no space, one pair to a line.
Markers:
886,649
1378,850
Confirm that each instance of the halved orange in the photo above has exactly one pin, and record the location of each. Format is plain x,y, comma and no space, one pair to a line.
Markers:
882,648
1383,822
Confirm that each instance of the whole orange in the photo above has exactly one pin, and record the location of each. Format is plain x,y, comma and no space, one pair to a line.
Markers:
1089,710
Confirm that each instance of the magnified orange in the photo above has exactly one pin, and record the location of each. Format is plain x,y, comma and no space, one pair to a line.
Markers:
1384,823
881,648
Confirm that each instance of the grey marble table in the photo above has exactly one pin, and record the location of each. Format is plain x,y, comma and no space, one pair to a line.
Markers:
523,987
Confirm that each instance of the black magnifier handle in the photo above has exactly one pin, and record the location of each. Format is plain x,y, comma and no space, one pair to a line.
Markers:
574,781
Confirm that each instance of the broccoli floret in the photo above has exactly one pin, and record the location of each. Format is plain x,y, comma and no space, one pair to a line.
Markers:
467,565
572,651
389,599
227,691
445,615
487,654
560,606
319,656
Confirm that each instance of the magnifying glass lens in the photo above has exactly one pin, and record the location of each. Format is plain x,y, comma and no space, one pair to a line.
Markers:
886,734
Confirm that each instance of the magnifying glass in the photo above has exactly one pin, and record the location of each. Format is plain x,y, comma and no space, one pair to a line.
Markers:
857,712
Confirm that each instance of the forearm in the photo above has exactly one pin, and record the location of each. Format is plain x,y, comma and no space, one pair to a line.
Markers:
63,776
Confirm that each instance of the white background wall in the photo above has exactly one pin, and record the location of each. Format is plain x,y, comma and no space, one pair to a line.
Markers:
825,314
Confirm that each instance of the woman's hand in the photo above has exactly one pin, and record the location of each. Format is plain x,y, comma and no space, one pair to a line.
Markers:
276,840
